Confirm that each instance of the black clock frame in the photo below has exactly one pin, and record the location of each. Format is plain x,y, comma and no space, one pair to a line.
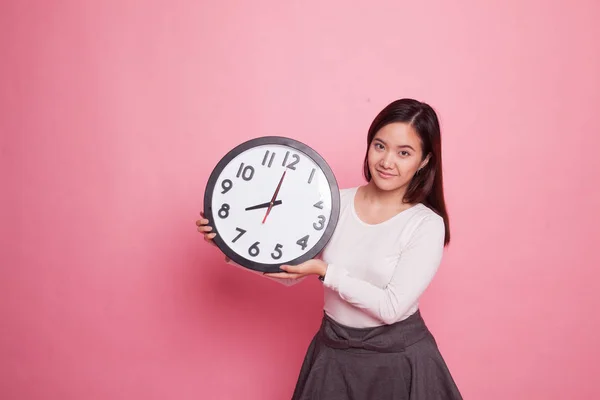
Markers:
300,147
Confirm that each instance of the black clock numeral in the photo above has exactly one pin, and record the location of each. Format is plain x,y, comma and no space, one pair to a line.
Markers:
241,231
246,172
287,154
224,211
253,250
264,161
303,242
319,205
226,185
291,165
321,224
312,173
277,250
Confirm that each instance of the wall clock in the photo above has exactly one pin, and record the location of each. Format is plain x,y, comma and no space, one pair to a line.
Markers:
272,200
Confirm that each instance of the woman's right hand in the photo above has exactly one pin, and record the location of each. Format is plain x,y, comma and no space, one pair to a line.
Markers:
205,229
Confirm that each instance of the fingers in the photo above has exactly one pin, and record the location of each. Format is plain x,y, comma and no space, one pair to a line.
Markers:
285,275
208,237
202,221
205,228
202,224
291,268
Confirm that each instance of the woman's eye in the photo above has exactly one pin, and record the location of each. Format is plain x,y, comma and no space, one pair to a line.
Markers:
378,146
404,153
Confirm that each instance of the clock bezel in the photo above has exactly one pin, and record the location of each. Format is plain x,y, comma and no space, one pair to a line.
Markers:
309,153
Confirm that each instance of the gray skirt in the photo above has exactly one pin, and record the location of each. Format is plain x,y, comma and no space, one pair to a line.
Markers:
398,361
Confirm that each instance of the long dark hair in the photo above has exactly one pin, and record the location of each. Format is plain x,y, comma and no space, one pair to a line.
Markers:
427,185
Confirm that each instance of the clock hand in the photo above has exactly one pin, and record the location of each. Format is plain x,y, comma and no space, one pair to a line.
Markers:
263,205
274,196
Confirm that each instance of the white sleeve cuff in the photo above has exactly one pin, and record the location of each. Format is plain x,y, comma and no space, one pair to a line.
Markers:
333,276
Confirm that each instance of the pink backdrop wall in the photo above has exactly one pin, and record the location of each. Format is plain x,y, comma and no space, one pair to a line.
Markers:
113,114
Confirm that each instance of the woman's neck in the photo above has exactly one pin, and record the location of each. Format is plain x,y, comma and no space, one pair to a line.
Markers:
392,199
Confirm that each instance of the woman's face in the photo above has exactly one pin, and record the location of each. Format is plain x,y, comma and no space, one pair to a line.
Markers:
394,156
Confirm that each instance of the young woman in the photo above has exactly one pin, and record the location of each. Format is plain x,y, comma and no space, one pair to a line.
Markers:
373,342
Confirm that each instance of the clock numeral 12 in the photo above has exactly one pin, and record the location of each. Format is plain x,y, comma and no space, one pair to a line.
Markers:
291,165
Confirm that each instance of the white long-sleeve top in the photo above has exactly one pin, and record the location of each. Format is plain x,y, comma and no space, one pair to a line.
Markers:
377,272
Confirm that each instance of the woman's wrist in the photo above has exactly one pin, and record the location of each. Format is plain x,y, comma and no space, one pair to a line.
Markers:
322,270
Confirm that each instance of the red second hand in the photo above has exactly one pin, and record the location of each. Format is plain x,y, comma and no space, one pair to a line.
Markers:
274,197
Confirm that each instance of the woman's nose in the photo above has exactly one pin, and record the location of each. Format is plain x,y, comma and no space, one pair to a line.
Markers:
387,161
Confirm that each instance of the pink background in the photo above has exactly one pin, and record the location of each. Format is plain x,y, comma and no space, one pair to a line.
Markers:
113,114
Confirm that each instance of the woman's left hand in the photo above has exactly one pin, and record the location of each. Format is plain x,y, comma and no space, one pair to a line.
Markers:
310,267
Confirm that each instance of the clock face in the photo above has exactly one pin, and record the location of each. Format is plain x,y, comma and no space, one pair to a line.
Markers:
272,201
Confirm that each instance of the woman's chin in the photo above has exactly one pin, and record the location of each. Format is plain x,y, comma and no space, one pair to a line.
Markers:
387,184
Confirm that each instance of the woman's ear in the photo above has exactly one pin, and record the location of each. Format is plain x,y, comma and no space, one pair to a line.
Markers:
424,162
